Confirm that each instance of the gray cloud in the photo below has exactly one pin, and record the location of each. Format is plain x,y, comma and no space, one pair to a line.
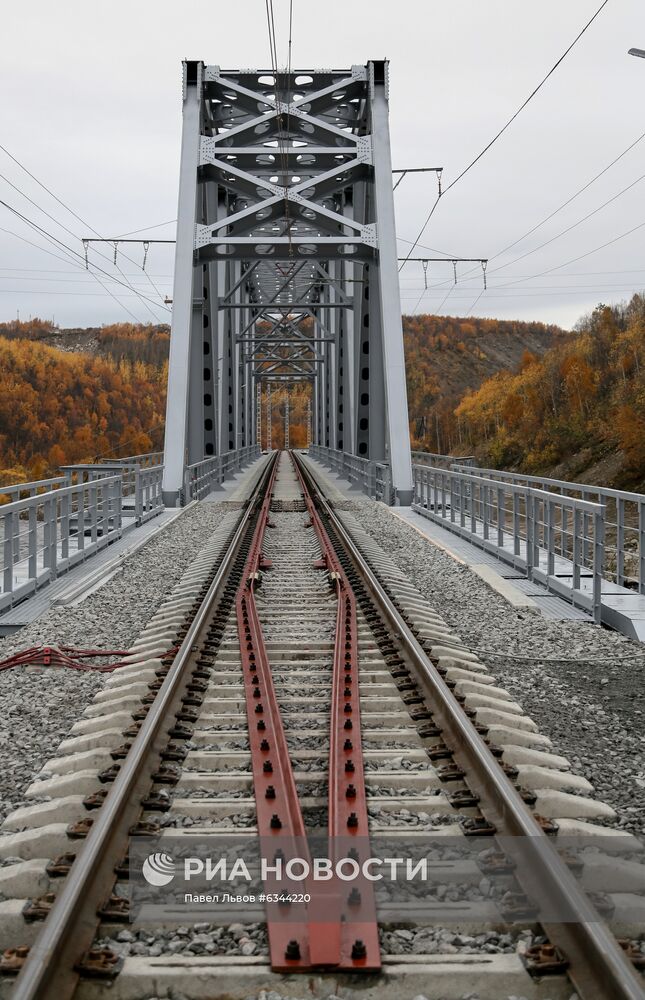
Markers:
95,113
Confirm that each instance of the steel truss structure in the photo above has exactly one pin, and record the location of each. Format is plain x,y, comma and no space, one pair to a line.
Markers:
286,264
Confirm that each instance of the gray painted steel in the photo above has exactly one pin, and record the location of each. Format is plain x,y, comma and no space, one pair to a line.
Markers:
286,266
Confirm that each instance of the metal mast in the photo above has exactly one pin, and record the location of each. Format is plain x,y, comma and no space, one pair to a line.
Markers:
286,264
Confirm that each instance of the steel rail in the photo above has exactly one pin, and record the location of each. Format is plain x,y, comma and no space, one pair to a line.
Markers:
356,925
70,928
598,967
281,828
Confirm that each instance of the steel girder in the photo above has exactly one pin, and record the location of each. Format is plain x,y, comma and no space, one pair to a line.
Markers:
286,264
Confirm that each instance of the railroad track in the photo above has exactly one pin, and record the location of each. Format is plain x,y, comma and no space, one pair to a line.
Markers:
297,698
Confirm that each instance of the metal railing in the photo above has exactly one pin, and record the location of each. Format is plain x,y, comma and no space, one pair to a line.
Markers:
442,461
203,477
50,525
374,478
624,522
556,540
144,460
20,491
45,534
141,485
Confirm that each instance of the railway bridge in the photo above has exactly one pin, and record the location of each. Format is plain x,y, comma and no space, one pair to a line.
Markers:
286,267
268,710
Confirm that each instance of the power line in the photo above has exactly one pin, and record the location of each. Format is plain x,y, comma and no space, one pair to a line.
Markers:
42,291
72,253
542,288
290,34
10,232
75,257
62,226
67,209
528,253
147,229
538,294
569,200
579,257
506,126
45,270
529,98
58,281
421,246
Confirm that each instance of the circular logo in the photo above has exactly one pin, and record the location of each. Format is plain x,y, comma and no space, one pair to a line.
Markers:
158,869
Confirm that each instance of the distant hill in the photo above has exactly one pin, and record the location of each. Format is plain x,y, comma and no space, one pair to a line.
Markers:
447,356
60,406
89,380
120,341
577,412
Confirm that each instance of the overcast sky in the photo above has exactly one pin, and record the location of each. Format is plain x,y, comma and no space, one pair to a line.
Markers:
92,107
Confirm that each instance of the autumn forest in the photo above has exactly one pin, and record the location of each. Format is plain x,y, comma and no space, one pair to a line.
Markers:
517,395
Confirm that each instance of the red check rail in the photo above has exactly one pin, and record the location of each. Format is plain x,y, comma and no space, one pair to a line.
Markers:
348,819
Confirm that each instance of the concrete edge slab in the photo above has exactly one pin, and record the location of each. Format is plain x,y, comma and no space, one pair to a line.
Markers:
504,588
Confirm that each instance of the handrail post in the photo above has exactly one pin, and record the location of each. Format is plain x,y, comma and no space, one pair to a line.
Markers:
80,517
7,576
598,563
501,516
474,488
50,520
64,525
92,497
576,548
32,541
516,523
620,541
103,509
529,503
550,537
138,496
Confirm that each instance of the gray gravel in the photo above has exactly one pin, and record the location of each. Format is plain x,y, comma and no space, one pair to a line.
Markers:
38,706
251,938
592,711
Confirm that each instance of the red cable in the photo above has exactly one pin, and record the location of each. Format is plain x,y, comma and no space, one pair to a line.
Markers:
52,656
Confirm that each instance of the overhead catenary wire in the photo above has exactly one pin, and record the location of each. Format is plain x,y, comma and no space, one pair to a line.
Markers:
555,212
23,239
54,242
510,121
146,229
574,225
581,256
568,201
70,233
282,138
67,209
75,256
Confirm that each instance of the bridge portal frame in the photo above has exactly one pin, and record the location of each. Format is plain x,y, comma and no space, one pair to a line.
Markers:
286,264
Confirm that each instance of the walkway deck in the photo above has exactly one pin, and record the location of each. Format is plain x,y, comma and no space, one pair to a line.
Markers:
84,576
622,609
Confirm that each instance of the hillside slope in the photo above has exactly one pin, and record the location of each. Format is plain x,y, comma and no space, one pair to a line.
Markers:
447,356
74,392
58,408
577,412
